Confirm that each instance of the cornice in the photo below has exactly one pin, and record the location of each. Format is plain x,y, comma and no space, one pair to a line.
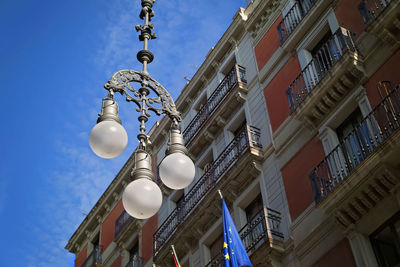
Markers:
215,56
229,40
263,12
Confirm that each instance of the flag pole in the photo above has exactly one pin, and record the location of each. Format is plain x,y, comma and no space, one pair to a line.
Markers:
220,194
174,253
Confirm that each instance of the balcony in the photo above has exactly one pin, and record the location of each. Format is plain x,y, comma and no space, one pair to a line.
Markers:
294,16
262,233
234,168
218,108
371,9
299,21
135,261
334,70
124,225
363,168
94,259
381,18
217,261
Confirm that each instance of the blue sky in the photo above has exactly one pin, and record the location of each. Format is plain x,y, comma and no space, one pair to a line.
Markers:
55,57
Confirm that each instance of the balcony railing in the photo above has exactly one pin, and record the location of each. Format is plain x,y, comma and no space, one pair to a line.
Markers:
366,137
135,261
235,76
248,137
323,60
371,9
264,225
94,259
120,223
298,11
217,261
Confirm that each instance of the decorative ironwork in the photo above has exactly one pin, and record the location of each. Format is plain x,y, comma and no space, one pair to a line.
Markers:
94,259
365,138
135,261
293,17
122,82
371,9
263,226
217,261
246,138
323,60
120,223
236,75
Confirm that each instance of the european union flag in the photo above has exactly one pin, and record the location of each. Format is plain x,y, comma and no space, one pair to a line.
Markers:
234,253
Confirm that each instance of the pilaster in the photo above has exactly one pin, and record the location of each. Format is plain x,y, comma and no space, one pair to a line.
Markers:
362,249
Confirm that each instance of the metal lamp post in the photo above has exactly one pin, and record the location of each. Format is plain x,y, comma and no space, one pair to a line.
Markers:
142,197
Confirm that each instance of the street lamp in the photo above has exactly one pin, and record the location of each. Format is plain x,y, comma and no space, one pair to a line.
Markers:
142,198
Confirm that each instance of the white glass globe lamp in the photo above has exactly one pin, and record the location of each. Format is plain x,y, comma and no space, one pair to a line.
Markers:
142,198
177,171
108,139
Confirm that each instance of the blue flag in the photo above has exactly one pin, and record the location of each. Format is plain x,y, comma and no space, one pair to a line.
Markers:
234,253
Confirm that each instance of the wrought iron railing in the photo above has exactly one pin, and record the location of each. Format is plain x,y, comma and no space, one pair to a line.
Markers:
217,261
120,223
295,14
371,9
263,226
323,60
365,138
236,75
135,261
94,259
248,137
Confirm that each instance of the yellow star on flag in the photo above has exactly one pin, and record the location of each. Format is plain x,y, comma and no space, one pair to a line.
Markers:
225,245
227,256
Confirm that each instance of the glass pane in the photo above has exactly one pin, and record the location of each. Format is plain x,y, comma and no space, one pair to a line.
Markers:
386,245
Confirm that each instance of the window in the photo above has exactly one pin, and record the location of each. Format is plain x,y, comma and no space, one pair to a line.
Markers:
205,163
386,243
178,200
319,50
325,53
239,128
354,136
96,244
201,109
205,167
349,124
95,255
384,89
216,252
254,208
134,258
255,223
320,57
240,140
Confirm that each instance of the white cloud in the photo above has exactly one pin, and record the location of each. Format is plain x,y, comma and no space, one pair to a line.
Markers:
72,191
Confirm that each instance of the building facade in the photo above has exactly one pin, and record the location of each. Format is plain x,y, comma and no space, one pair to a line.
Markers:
293,115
